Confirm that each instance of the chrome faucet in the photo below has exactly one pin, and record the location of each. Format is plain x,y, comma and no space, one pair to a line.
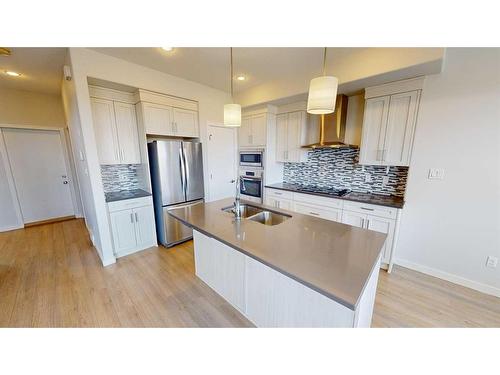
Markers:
237,205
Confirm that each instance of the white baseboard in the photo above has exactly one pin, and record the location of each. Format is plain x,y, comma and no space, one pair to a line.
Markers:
11,227
480,287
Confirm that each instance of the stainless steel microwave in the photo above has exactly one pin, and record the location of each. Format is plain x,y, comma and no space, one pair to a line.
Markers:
252,158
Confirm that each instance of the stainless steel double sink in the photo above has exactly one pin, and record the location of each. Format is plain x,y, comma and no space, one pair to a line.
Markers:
259,215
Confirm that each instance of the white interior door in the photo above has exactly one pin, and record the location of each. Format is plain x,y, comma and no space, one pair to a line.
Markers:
222,151
40,173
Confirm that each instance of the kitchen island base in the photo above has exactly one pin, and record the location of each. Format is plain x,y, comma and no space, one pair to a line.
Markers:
269,298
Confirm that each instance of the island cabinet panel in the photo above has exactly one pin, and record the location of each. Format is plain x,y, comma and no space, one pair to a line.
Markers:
275,300
222,268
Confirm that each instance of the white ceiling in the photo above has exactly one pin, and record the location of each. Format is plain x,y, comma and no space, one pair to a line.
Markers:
41,69
210,66
271,73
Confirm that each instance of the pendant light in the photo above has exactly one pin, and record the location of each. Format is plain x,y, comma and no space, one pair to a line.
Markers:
232,111
322,93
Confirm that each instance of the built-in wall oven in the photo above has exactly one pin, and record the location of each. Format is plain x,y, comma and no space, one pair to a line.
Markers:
251,184
252,158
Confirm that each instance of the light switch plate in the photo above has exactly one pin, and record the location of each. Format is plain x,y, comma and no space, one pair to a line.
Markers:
385,180
436,174
368,177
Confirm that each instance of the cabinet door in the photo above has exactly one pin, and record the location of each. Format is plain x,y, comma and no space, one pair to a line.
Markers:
373,133
128,139
259,130
280,203
244,133
382,225
204,258
353,218
123,227
281,137
157,119
400,128
294,135
332,214
105,131
186,123
145,226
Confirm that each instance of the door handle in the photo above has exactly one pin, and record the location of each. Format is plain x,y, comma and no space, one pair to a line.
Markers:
314,213
136,217
362,223
65,182
233,181
131,218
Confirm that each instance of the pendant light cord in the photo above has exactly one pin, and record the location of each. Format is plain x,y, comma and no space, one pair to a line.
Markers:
324,62
231,77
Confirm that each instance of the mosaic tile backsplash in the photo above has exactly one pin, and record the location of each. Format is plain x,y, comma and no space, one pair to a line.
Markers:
339,168
120,177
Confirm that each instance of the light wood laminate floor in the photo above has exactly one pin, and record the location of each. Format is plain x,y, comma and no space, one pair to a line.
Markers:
50,276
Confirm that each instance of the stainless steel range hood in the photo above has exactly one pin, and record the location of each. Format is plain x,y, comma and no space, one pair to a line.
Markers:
328,131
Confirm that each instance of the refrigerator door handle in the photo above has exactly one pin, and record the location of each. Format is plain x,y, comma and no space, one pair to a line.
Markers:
186,173
183,171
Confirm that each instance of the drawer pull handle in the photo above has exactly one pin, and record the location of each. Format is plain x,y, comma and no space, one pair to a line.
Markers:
368,209
314,213
278,193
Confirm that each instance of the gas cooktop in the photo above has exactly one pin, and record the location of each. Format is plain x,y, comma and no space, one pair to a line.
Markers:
324,190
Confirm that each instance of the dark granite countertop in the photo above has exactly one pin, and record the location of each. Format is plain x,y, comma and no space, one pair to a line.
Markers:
121,195
381,200
331,258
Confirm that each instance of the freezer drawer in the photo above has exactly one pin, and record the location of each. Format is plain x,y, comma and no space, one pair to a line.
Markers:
174,231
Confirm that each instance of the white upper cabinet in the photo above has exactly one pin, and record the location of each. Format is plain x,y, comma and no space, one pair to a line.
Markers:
115,127
259,130
290,136
389,123
374,124
245,132
253,131
128,139
105,131
185,123
167,115
158,119
400,128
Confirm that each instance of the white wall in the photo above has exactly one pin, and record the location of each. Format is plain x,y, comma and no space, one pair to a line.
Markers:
449,227
86,63
31,108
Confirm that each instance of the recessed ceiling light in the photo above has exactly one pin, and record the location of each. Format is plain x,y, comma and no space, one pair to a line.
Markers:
168,49
12,74
241,77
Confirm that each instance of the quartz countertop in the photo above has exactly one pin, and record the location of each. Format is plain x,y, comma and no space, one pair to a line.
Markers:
121,195
331,258
381,200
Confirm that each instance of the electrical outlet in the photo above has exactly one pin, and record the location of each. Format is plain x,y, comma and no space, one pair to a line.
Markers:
368,178
436,174
385,180
492,262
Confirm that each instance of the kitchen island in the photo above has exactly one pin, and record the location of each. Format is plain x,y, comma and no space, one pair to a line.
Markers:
285,269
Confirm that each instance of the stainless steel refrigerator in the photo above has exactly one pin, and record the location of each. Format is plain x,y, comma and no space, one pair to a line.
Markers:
176,169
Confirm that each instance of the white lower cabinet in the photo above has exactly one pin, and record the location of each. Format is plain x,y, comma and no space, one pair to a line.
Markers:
132,224
332,214
285,204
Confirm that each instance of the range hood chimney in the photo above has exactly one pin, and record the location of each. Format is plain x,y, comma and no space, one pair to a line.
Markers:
328,131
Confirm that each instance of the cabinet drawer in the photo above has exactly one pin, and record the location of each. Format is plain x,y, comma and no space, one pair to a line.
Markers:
317,200
371,209
129,203
279,193
333,214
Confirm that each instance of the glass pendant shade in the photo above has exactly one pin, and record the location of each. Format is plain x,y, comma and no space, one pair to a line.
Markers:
322,95
232,115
